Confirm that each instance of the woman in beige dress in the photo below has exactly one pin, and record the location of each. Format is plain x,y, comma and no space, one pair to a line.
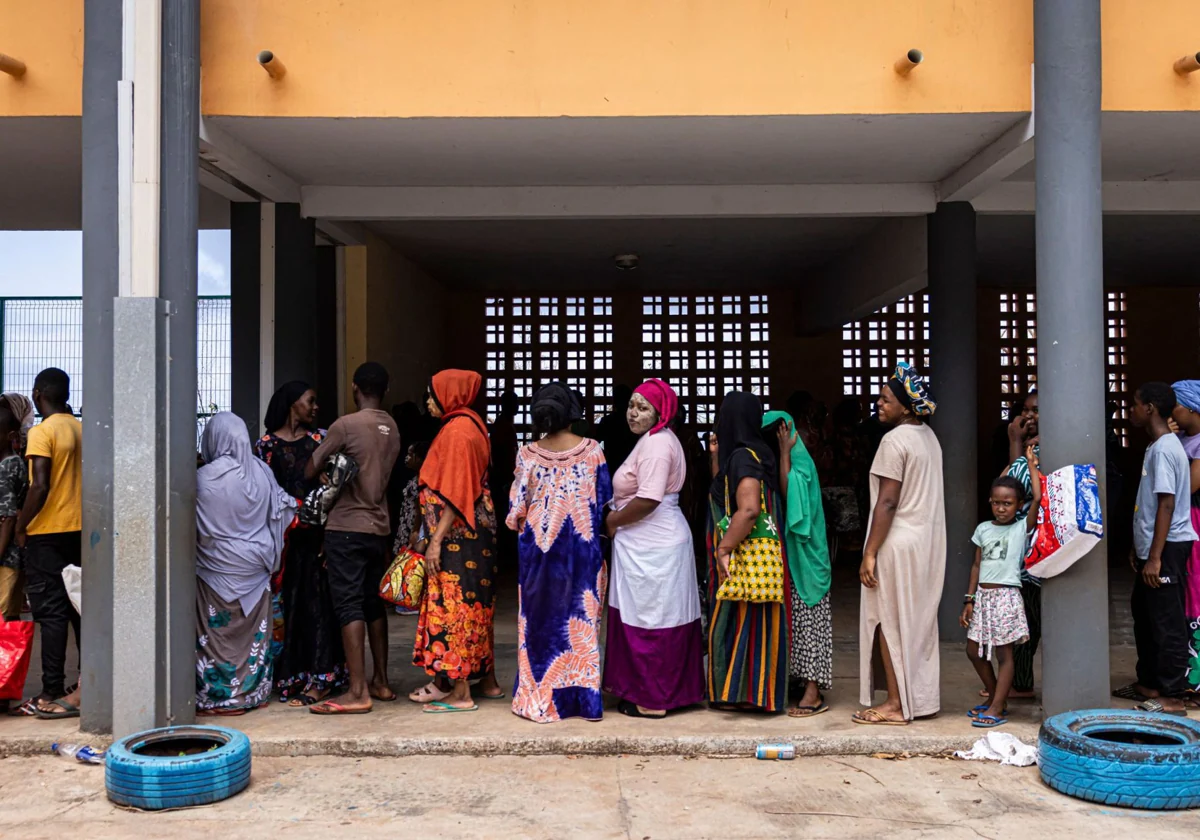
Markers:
904,560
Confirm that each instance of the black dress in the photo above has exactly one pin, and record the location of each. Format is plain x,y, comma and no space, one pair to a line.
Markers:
311,658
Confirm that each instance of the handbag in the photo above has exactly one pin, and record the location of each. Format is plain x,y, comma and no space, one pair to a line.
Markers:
16,648
756,566
403,583
339,471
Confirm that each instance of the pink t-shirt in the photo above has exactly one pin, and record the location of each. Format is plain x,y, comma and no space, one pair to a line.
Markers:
656,468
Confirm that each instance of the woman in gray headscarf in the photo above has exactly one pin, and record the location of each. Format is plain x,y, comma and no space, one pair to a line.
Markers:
241,517
22,409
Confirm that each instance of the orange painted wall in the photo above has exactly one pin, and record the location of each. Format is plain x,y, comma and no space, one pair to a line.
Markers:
1141,41
386,58
48,36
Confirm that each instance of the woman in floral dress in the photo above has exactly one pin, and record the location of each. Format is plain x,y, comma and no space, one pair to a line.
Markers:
555,506
454,633
308,659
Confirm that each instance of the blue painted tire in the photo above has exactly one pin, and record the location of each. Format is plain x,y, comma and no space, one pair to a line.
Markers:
1126,758
153,783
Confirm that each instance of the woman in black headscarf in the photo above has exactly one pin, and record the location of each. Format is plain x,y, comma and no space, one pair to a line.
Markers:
308,658
748,586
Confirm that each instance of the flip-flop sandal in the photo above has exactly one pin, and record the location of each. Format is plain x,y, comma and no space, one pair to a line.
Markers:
382,699
437,707
1155,706
809,711
870,717
980,709
428,693
988,722
221,712
68,711
301,701
1129,692
500,696
328,707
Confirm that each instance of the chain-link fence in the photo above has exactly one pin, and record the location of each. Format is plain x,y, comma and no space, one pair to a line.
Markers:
37,333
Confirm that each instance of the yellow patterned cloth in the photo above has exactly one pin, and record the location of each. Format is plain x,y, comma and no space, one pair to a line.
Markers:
756,567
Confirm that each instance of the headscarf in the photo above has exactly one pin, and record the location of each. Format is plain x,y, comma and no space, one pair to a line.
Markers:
807,547
22,409
739,432
1187,393
911,389
280,406
241,514
660,395
456,466
560,402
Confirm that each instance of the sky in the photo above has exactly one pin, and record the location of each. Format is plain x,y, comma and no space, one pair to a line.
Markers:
50,263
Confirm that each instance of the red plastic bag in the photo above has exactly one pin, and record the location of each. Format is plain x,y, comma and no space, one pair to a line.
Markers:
16,647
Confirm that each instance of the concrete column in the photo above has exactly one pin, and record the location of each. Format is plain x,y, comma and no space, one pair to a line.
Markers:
1071,353
101,72
245,263
952,351
325,338
295,288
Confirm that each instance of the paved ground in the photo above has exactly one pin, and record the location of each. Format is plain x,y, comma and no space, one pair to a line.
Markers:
615,797
399,728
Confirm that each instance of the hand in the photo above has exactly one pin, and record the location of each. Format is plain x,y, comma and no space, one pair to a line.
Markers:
1031,457
866,572
1151,572
609,528
1133,560
1016,430
324,479
965,619
724,555
20,538
787,439
712,443
1172,426
433,558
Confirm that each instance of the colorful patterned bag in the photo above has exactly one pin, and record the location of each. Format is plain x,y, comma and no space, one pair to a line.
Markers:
756,567
1070,523
404,582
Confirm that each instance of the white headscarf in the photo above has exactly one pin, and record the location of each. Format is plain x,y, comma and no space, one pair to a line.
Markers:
241,514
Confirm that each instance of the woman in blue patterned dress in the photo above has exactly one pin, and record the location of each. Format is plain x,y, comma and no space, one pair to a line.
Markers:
558,494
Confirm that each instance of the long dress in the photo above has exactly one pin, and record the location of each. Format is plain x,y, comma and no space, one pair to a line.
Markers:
309,657
655,649
454,631
556,500
1191,445
910,568
233,652
748,643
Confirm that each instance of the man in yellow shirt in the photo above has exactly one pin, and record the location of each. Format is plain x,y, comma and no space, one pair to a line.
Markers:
49,527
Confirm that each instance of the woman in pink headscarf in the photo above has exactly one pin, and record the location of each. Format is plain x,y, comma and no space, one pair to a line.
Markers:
655,647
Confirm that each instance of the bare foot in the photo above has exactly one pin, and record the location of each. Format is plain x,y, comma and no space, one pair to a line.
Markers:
380,690
1014,694
489,687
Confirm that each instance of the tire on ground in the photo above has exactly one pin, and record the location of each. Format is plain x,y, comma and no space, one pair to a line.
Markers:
155,782
1125,758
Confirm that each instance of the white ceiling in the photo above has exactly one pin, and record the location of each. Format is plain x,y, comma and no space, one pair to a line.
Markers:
566,151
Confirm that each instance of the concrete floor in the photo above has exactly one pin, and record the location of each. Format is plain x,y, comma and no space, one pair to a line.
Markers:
613,797
400,728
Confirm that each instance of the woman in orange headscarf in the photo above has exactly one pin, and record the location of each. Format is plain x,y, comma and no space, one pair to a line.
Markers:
454,633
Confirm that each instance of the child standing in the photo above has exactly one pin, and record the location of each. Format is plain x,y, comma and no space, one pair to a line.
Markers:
993,612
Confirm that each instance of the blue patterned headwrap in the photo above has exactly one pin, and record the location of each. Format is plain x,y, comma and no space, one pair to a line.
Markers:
913,391
1187,393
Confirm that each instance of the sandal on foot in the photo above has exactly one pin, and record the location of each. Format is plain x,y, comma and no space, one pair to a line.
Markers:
988,721
389,699
301,701
1155,706
631,710
428,693
328,707
1129,692
439,707
981,708
68,711
799,711
872,717
221,712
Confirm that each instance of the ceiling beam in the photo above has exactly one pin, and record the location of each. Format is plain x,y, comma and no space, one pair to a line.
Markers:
1007,154
245,171
1120,197
625,202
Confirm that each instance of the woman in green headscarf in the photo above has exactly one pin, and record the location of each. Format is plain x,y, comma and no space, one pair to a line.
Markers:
810,657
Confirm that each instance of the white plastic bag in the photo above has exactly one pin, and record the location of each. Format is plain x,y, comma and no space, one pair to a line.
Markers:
73,579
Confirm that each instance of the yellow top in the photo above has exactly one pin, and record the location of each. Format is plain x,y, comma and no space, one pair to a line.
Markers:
59,438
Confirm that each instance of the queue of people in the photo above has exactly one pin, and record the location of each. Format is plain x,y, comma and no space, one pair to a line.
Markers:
289,608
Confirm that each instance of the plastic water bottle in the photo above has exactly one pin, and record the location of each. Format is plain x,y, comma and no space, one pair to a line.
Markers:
775,752
82,753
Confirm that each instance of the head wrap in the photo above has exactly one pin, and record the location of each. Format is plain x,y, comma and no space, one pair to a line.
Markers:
739,433
280,406
241,514
1187,393
664,400
804,534
911,389
559,403
456,466
22,409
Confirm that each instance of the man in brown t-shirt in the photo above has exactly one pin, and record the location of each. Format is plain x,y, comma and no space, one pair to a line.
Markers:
357,538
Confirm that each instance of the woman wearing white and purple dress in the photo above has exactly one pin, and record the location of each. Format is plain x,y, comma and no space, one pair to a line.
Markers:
654,656
1187,417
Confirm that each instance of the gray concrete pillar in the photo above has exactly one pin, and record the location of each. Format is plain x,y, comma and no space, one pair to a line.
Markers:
1071,352
952,352
245,310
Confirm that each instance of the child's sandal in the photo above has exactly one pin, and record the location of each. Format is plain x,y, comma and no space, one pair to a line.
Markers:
988,722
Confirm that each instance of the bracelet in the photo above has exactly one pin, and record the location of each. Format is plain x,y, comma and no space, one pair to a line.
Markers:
968,599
